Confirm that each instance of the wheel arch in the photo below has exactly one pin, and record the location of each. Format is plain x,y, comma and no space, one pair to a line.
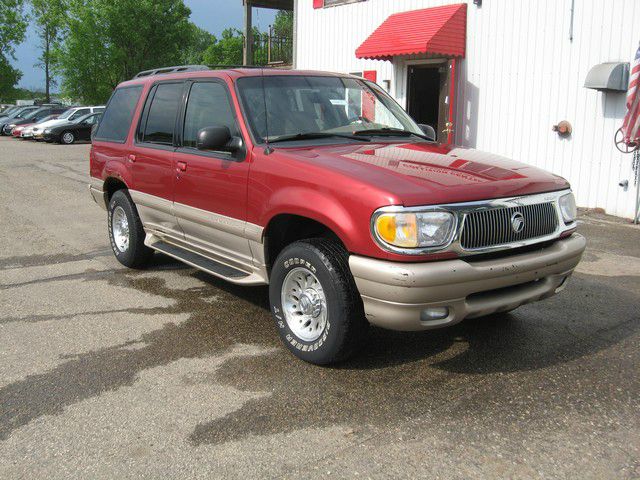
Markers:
286,228
111,185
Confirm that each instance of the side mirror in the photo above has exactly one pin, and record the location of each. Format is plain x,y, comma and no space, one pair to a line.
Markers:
217,138
429,131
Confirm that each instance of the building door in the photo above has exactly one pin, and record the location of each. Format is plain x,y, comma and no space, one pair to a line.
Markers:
429,97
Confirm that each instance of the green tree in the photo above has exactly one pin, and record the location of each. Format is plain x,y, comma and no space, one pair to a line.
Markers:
283,24
108,41
227,50
12,28
49,19
200,40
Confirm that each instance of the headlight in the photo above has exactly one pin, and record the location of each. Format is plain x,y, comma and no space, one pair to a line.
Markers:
48,130
415,230
568,207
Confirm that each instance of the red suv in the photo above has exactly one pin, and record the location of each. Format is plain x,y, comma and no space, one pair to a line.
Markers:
321,186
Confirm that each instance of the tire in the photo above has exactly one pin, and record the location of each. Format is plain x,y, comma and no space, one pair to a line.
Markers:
317,270
67,138
126,233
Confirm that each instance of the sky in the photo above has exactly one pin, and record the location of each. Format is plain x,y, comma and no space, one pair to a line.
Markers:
212,15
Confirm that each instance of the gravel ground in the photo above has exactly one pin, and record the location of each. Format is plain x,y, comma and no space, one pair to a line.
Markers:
168,372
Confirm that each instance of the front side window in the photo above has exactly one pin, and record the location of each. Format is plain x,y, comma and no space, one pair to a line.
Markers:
117,117
79,113
208,106
161,118
298,104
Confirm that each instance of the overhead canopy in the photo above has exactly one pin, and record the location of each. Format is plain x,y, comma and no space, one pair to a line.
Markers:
437,31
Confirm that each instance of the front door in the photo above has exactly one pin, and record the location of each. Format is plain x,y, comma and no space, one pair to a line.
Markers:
211,187
430,96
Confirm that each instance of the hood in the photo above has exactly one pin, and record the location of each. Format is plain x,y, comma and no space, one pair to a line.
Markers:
52,123
425,173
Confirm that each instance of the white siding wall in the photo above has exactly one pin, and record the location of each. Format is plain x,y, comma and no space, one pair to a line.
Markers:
521,75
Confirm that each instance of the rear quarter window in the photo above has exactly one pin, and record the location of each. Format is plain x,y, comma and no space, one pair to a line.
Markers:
116,120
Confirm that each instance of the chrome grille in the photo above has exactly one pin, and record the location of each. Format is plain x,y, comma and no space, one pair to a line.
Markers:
487,228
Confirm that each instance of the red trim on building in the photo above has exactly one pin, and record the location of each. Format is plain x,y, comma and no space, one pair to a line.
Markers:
436,31
371,75
368,100
318,3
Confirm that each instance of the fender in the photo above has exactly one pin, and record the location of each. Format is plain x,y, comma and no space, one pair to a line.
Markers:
117,169
318,206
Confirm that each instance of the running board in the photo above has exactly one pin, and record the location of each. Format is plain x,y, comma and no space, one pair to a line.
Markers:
198,261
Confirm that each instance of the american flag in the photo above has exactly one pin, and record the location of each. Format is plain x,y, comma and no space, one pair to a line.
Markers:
631,125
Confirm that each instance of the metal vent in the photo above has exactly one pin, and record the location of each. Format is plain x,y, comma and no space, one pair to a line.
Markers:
500,226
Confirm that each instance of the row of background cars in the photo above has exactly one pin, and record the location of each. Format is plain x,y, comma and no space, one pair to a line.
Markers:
50,122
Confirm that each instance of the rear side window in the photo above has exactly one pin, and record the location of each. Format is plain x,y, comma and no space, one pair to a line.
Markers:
116,120
208,106
161,119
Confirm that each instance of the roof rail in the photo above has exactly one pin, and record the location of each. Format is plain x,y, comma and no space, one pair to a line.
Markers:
222,67
194,68
175,69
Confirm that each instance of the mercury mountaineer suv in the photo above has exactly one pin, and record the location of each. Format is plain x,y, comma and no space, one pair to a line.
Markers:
321,186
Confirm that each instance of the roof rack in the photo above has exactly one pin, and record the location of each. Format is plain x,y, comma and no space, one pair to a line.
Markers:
224,67
175,69
194,68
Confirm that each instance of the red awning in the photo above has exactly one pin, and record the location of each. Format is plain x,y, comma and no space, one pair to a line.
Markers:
434,31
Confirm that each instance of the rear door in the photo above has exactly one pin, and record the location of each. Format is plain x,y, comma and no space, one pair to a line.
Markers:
211,187
151,160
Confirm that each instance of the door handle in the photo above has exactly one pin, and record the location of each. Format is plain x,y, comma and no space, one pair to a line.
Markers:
181,166
131,157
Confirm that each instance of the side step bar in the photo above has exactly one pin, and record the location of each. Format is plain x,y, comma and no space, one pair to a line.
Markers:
198,261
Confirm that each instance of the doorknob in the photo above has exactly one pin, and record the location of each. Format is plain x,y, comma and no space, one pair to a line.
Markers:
131,157
181,166
449,128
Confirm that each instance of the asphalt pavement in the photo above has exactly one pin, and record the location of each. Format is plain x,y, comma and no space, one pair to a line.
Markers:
170,373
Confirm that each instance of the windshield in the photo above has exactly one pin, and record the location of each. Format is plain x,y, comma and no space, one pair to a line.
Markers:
32,113
67,113
9,111
299,104
22,112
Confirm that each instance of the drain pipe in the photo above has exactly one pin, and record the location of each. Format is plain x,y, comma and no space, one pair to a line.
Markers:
573,4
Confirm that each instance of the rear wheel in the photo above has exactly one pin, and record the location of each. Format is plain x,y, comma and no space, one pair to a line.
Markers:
316,306
126,233
67,138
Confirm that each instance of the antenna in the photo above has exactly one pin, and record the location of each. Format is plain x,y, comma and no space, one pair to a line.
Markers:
268,149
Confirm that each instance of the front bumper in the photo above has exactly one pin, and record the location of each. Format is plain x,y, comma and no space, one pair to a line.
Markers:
397,295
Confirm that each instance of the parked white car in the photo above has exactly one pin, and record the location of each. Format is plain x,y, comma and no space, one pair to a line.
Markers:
70,115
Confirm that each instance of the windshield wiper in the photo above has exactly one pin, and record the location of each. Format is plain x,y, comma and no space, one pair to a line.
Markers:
398,132
312,135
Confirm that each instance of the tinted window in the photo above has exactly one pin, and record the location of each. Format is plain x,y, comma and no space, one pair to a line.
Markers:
161,119
79,113
117,118
208,106
91,119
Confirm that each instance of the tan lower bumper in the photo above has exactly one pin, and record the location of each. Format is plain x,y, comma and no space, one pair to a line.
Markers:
397,295
95,189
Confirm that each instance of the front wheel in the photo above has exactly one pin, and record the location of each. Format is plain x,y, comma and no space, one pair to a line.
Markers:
126,233
315,303
67,138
